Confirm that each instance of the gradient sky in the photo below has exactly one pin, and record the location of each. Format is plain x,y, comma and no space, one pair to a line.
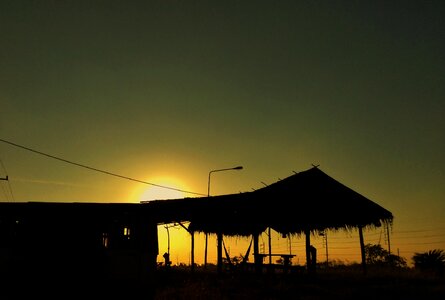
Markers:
165,91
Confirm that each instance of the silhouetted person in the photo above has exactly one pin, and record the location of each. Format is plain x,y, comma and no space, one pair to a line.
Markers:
167,259
313,257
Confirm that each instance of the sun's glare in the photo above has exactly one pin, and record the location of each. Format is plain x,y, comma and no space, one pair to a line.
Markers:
171,189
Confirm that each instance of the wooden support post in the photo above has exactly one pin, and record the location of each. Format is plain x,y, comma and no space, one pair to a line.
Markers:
389,243
308,249
219,253
205,251
362,248
327,254
270,247
256,251
192,267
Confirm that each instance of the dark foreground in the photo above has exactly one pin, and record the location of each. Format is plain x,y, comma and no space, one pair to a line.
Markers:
335,284
180,283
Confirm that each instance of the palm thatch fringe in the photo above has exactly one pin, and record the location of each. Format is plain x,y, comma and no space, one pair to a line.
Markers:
309,200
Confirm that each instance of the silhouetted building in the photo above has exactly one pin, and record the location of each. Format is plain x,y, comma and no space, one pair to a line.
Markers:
76,242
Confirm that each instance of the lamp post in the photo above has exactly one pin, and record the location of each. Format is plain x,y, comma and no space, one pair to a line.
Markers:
219,235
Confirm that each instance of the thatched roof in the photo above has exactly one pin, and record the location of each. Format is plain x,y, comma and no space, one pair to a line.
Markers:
313,200
229,213
309,200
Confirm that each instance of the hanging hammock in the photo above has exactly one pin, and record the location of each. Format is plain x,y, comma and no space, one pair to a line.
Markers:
246,256
227,253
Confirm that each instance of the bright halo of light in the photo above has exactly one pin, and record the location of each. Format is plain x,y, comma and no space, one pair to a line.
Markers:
153,192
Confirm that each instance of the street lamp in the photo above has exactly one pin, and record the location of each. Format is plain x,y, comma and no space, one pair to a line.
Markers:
208,195
219,170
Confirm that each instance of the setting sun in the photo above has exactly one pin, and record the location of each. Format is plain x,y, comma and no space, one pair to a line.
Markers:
165,188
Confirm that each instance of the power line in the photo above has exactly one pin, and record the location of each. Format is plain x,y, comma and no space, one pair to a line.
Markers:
417,237
97,170
421,243
9,184
420,230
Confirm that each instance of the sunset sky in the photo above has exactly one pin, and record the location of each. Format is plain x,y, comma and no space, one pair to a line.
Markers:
166,91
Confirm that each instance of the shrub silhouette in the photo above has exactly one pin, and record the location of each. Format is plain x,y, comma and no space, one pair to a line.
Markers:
376,255
432,260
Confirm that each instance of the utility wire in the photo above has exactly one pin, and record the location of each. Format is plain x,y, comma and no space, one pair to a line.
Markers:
9,184
97,170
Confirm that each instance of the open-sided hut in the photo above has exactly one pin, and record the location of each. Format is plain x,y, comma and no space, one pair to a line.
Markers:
305,202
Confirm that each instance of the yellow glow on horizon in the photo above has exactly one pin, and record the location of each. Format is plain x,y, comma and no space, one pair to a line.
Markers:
153,192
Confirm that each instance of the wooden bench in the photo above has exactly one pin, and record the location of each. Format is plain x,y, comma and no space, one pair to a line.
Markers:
286,257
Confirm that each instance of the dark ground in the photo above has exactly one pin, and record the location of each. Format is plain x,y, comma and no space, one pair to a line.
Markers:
332,284
180,283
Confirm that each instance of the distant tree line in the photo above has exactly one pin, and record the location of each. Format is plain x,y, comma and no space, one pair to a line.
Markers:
431,261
